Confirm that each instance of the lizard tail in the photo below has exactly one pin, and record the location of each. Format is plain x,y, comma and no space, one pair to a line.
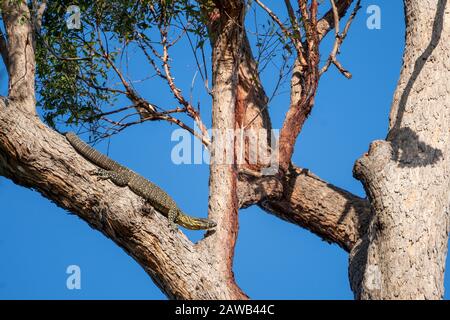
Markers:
193,223
91,154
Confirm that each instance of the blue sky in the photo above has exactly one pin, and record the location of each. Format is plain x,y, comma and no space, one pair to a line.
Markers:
38,240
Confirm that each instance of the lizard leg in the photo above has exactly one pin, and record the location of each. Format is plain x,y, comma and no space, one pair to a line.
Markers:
148,208
118,179
172,216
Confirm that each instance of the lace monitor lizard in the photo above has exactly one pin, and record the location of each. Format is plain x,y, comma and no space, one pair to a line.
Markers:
122,177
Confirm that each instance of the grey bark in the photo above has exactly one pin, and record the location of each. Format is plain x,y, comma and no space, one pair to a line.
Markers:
407,176
34,156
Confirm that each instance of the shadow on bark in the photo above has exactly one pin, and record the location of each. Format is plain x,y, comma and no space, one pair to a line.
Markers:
357,265
408,150
362,208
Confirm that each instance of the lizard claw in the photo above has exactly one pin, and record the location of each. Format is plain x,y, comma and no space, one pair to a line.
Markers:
173,227
148,209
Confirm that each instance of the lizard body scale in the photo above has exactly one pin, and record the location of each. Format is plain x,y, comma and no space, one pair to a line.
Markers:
122,177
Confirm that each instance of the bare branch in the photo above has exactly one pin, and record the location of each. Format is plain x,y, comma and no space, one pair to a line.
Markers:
194,114
326,23
304,84
120,125
38,13
166,75
289,35
141,44
4,50
339,39
293,19
275,18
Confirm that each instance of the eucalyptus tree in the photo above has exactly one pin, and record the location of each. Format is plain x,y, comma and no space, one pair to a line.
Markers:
78,76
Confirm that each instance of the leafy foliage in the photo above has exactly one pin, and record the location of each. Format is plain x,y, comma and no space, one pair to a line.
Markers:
76,80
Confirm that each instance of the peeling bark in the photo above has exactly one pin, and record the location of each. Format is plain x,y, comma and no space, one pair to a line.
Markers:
398,242
300,197
223,202
36,157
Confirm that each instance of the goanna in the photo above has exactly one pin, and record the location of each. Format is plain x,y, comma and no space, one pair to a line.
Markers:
122,177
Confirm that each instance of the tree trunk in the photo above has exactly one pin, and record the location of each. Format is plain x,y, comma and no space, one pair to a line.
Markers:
407,177
223,202
20,60
398,243
34,156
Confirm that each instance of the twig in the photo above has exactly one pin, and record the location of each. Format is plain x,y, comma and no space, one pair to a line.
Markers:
289,35
339,39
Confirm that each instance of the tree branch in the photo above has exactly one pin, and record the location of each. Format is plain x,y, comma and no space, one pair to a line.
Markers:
332,213
293,36
326,23
304,83
339,39
302,198
182,270
4,50
38,13
36,157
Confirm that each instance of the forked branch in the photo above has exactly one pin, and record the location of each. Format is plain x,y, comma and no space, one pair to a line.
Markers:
339,39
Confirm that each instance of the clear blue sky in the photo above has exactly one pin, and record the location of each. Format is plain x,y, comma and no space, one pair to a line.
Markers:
273,259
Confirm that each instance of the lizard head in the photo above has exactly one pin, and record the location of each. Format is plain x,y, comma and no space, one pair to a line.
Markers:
192,223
